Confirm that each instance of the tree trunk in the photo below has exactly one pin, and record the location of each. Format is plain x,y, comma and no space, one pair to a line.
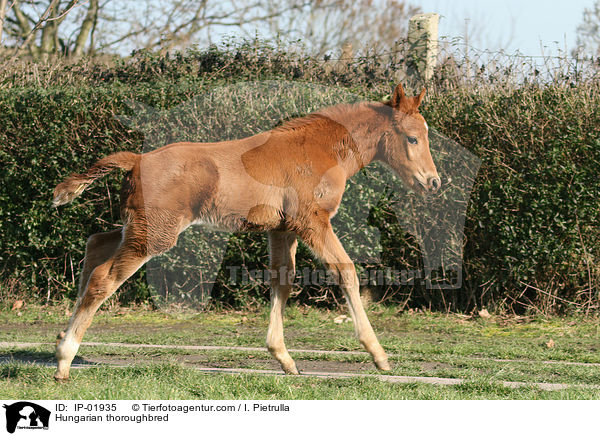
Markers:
2,15
49,31
86,27
92,47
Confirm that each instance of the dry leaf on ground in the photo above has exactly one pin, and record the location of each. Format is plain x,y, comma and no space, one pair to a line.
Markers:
484,314
340,319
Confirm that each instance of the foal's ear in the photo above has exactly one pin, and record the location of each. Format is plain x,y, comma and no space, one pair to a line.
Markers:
397,97
419,98
401,102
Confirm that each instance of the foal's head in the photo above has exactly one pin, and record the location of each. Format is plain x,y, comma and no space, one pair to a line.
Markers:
406,146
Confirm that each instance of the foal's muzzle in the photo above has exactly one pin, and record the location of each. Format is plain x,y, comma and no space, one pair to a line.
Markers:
432,185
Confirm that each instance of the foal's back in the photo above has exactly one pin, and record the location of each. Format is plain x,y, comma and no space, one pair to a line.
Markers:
258,183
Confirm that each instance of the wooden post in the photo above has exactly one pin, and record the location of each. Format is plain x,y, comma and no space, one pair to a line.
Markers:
423,42
345,58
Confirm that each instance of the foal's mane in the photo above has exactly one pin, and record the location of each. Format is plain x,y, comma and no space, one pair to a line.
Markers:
327,115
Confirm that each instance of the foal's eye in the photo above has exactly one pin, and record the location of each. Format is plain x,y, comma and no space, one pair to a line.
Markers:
411,139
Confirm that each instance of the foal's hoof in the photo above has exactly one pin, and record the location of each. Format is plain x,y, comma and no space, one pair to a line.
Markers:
59,378
383,365
291,370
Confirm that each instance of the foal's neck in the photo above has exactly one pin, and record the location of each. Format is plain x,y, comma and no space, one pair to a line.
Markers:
365,125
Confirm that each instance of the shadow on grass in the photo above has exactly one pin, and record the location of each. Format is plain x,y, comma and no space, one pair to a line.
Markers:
16,363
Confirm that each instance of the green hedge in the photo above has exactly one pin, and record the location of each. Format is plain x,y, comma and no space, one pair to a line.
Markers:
532,229
533,223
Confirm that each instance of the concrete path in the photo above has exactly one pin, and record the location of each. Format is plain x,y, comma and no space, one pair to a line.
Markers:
319,374
264,349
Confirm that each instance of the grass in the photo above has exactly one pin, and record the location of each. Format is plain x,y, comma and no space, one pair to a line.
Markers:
178,382
420,344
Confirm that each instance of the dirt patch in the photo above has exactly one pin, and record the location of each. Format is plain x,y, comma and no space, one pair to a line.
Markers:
434,366
195,360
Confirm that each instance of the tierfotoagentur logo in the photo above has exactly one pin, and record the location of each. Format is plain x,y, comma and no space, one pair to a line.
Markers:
187,273
25,415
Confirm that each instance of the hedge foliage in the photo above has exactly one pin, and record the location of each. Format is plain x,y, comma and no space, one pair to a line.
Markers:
532,239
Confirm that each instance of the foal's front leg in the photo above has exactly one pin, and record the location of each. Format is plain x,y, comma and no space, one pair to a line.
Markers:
327,246
282,250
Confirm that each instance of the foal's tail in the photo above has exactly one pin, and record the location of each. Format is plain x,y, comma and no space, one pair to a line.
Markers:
74,185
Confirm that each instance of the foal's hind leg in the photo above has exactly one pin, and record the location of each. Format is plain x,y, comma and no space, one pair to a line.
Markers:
99,248
325,244
103,282
140,242
282,250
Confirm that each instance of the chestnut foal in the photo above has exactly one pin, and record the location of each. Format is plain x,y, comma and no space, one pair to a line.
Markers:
288,182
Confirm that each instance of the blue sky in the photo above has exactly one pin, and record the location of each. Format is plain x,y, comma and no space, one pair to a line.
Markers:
512,24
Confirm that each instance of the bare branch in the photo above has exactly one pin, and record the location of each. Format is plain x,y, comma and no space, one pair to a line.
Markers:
323,25
72,4
33,31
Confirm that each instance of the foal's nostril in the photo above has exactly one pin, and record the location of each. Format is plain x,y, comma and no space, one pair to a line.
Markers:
435,183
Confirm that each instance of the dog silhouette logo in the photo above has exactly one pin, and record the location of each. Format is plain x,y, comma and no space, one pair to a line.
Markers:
26,415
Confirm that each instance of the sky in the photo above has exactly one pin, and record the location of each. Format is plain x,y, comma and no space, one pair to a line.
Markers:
533,27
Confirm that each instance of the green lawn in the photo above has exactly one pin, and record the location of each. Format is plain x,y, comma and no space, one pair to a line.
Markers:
484,352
